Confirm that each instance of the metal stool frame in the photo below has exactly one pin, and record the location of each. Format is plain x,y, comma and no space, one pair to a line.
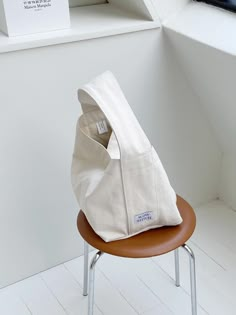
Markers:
89,275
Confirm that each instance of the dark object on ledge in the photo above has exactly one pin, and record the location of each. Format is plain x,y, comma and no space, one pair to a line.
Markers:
229,5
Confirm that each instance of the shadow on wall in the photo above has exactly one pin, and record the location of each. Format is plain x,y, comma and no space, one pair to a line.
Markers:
211,75
183,137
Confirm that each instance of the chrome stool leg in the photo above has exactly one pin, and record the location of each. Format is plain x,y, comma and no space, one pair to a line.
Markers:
91,282
192,278
177,277
86,258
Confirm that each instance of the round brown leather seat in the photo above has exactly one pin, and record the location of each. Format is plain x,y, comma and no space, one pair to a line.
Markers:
147,244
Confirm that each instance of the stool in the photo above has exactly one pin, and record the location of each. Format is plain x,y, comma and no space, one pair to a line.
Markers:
151,243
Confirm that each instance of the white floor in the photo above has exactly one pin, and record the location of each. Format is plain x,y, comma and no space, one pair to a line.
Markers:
128,287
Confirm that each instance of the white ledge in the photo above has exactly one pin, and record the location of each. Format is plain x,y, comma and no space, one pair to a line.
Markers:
86,23
207,24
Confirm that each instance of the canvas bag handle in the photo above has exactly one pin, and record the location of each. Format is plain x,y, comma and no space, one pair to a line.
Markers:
105,92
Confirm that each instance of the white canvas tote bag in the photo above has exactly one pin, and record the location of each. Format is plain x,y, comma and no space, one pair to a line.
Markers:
117,176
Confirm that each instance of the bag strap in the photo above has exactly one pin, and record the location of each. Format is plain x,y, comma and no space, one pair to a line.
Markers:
105,92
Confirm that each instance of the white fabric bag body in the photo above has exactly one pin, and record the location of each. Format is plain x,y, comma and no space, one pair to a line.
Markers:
117,176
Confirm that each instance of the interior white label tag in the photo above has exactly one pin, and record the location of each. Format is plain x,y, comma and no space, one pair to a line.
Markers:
102,126
146,216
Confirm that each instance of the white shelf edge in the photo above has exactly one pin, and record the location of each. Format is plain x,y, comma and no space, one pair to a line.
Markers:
86,23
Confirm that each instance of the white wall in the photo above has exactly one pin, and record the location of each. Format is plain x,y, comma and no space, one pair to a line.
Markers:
166,9
75,3
3,25
228,180
181,132
39,110
211,74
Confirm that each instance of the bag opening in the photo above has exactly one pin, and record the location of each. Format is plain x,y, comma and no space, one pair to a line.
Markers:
96,126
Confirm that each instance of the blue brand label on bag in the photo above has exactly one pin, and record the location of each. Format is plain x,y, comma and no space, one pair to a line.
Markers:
142,217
